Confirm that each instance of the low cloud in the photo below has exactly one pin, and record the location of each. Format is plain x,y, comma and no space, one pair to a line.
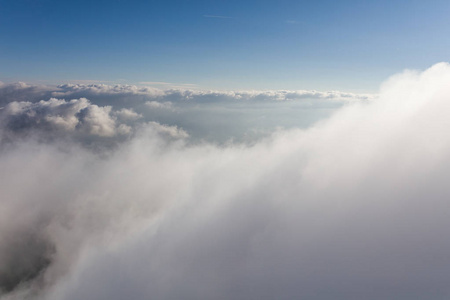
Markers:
354,206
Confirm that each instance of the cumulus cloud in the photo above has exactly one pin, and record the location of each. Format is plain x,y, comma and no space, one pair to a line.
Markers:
57,115
352,207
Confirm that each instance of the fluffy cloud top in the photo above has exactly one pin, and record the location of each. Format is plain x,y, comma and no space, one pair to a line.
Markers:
58,115
353,207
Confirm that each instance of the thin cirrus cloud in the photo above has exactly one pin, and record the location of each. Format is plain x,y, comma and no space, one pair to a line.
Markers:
354,206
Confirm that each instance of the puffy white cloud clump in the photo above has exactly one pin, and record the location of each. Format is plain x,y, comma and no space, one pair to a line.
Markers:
56,115
355,206
77,117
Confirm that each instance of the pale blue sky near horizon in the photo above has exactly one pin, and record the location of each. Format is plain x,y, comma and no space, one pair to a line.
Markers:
324,45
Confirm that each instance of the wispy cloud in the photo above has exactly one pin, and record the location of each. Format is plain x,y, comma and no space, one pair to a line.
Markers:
217,17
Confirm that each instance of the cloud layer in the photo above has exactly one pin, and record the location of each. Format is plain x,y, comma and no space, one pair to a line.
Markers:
95,92
355,206
76,107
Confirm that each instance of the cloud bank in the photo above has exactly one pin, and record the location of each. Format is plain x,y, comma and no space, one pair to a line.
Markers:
354,206
129,94
254,114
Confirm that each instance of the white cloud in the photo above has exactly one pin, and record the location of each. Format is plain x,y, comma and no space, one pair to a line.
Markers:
353,207
97,120
57,115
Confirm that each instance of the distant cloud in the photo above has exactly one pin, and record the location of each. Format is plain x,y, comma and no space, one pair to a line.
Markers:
72,110
26,92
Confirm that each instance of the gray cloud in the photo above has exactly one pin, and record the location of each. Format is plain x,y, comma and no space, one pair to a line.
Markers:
352,207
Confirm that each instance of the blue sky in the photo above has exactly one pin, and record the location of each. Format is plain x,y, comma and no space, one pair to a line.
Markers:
324,45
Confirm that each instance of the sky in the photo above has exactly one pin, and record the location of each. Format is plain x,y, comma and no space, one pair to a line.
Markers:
223,150
324,45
